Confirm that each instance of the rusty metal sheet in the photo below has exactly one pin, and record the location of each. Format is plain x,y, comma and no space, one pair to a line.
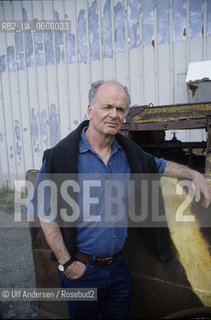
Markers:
168,125
170,113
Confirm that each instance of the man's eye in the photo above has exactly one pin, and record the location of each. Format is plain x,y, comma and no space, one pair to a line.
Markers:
122,110
109,107
106,106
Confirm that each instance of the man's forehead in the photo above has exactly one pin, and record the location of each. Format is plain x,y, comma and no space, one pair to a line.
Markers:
111,90
110,85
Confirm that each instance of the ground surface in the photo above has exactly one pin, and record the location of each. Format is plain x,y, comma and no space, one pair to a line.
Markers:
16,267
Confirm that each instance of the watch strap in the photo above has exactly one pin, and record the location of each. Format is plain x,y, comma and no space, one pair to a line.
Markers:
69,262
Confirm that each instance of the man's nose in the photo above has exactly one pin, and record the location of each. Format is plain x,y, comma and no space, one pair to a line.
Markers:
113,112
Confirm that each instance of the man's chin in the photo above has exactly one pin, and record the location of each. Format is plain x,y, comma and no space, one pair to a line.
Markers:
112,131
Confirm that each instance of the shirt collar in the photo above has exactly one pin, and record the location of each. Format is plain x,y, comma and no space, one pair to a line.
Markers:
84,145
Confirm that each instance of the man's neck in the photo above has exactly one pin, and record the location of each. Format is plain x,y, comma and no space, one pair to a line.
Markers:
99,141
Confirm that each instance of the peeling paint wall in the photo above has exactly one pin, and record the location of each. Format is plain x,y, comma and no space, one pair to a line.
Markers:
208,18
163,30
94,41
82,37
45,76
119,27
196,18
107,30
147,9
179,20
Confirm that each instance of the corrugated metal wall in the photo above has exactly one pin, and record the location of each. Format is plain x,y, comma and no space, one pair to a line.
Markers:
45,76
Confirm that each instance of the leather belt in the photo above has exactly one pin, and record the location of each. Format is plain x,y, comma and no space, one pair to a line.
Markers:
101,262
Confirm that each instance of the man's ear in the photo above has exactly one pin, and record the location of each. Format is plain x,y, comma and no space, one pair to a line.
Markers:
89,111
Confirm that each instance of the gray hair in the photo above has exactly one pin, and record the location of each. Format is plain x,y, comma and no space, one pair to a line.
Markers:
95,86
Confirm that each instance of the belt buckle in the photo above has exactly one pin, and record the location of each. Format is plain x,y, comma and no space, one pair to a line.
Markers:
109,260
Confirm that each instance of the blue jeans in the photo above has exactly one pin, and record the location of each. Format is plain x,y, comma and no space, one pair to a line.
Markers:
114,285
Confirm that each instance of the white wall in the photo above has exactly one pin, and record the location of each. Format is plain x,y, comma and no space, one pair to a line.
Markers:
44,77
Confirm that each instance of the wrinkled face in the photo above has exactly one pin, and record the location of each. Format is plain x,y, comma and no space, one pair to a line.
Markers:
107,115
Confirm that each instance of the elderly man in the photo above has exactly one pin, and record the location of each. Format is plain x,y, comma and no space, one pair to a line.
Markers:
91,257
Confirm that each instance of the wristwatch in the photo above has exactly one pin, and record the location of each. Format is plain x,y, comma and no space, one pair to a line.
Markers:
63,267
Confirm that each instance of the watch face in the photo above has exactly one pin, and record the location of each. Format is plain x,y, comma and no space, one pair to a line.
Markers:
61,267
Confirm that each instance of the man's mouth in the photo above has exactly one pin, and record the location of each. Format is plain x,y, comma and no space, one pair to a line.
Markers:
112,124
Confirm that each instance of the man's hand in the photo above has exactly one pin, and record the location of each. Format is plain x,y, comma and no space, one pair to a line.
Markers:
201,188
75,270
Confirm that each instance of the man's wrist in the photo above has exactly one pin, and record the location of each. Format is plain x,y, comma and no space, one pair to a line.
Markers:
188,173
194,174
63,267
64,259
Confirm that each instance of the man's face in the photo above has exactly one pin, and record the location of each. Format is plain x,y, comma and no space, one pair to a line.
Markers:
109,110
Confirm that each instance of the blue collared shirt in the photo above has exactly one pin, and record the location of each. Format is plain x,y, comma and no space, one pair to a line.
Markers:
94,238
109,239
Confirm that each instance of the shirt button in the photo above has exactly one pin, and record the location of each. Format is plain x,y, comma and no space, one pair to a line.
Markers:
109,163
113,236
